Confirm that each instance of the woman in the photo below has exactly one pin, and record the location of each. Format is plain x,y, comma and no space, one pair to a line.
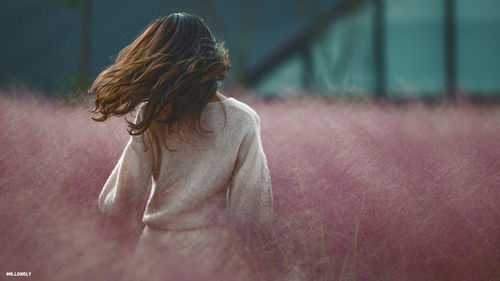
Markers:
201,150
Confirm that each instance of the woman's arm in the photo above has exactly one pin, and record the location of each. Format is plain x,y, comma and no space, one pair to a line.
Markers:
126,189
250,199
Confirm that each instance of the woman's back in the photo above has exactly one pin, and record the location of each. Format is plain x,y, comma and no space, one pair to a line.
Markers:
192,190
203,182
196,181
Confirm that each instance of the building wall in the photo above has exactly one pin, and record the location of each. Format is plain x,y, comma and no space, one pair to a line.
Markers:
343,55
41,39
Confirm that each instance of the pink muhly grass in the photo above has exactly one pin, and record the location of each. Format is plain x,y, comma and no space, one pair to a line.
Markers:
362,192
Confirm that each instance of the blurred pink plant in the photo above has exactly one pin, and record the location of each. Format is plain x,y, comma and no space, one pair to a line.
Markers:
362,192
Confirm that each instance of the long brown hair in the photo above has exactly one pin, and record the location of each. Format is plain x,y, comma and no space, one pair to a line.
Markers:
174,67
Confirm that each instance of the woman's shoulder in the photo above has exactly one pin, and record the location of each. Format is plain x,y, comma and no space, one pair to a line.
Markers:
237,109
244,109
247,116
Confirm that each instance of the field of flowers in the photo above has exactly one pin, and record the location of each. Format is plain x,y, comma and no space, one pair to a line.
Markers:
362,191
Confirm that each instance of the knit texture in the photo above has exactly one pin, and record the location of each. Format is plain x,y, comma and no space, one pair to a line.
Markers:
207,181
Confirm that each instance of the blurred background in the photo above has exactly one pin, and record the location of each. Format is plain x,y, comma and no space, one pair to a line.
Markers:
399,49
363,190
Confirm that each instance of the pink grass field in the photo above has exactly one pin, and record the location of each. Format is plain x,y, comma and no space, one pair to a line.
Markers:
362,192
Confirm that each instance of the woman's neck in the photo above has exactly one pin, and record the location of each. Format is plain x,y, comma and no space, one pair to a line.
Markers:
217,97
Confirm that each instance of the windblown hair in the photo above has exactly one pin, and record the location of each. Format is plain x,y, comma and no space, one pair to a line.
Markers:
174,66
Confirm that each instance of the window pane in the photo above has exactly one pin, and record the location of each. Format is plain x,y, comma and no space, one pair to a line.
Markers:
286,78
342,57
478,45
415,48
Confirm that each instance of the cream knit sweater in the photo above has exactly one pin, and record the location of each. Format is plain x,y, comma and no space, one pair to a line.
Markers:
205,182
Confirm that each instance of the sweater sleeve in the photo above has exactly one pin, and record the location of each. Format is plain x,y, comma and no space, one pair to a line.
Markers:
125,190
250,199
